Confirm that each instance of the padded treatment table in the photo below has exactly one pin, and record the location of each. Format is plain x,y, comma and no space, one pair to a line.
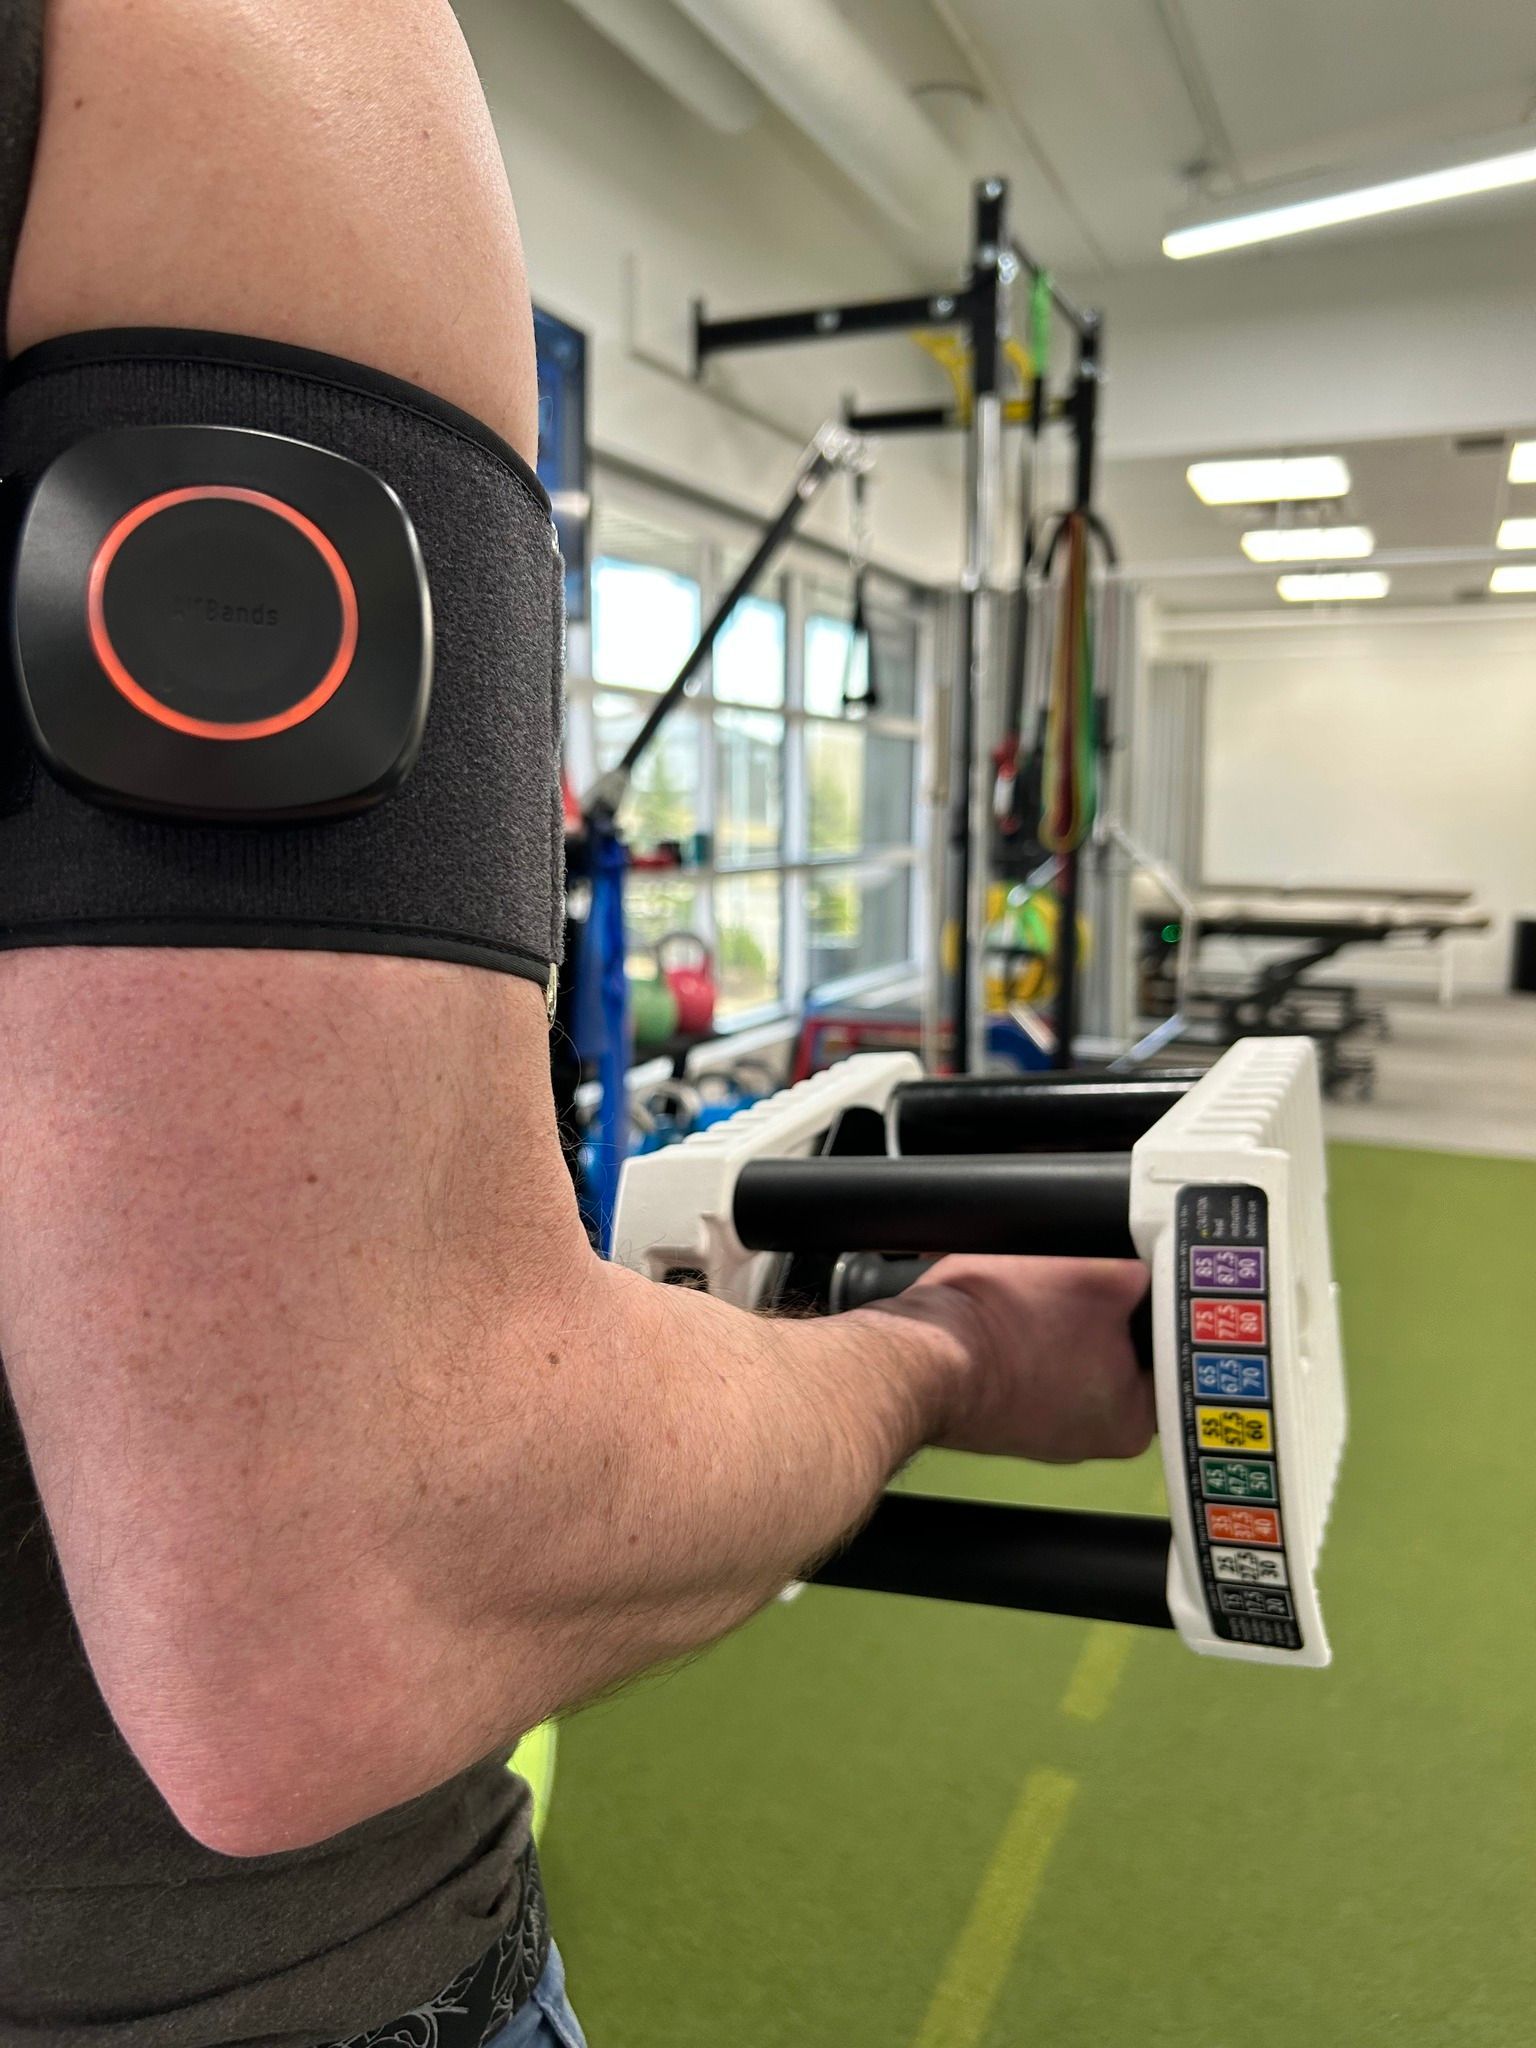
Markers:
1316,923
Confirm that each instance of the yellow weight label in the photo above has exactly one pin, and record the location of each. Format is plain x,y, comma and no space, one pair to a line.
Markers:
1234,1429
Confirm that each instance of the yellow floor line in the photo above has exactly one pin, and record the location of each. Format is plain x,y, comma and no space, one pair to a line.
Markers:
1097,1671
978,1963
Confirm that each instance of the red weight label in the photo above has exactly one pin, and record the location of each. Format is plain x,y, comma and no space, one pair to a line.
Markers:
1228,1322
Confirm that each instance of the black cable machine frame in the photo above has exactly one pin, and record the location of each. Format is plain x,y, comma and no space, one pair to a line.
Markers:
980,309
834,450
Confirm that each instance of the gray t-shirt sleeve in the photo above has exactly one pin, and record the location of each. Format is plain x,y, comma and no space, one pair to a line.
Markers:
21,53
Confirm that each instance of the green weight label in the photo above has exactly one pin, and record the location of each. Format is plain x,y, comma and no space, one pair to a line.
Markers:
1237,1479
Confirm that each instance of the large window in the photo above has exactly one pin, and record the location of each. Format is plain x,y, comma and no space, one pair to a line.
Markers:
794,801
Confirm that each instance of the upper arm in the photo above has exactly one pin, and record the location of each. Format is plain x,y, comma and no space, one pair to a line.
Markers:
321,172
258,1215
258,1211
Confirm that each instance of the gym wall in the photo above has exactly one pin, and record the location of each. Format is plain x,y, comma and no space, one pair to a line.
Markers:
631,206
1397,750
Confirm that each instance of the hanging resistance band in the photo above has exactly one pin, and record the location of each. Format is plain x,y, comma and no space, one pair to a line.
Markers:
1071,745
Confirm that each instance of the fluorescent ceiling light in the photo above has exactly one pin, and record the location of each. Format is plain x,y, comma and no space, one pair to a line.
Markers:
1513,577
1333,586
1522,463
1360,202
1271,480
1308,543
1517,533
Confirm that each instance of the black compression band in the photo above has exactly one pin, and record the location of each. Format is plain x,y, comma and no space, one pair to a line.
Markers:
463,861
171,346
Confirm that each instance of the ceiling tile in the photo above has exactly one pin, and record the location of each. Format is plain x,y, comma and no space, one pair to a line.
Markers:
1324,71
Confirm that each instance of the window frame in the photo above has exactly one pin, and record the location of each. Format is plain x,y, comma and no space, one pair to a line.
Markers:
800,583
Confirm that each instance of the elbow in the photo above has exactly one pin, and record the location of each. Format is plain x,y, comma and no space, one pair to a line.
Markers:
248,1790
294,1759
228,1821
263,1799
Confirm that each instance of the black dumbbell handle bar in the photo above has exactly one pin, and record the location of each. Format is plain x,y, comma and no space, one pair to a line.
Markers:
1069,1204
1049,1560
1055,1561
1030,1113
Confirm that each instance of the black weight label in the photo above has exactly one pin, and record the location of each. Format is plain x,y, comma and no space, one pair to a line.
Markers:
1227,1412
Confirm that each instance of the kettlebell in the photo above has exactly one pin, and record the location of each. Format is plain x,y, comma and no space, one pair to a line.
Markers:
691,980
652,1010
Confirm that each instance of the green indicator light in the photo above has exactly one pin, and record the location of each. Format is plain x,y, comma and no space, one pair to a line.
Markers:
1172,934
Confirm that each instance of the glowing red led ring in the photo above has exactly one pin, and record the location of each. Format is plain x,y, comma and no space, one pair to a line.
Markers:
207,728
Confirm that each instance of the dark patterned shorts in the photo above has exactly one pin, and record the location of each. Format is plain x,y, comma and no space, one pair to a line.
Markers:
486,1993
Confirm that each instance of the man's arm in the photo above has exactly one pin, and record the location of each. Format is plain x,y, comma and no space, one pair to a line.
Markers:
357,1461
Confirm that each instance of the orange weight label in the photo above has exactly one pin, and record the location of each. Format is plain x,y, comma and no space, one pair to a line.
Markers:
1243,1525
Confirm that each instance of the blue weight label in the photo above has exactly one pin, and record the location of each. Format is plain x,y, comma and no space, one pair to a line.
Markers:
1224,1376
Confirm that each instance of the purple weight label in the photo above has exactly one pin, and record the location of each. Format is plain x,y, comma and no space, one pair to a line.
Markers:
1234,1268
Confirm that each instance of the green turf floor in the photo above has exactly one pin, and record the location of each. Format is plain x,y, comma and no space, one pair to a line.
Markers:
780,1846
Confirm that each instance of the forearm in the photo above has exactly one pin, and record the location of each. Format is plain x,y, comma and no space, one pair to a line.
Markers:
702,1457
622,1488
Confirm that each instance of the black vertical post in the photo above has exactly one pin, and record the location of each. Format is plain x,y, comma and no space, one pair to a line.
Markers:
1085,412
984,308
1085,424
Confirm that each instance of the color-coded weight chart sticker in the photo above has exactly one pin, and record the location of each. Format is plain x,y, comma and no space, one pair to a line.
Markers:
1228,1322
1234,1429
1236,1267
1229,1376
1237,1479
1249,1567
1256,1600
1243,1525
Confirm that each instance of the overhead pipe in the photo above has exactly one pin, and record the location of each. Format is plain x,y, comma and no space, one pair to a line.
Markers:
816,68
652,34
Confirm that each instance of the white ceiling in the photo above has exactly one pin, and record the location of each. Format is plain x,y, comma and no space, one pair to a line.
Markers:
1111,119
1118,116
1115,118
1426,493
